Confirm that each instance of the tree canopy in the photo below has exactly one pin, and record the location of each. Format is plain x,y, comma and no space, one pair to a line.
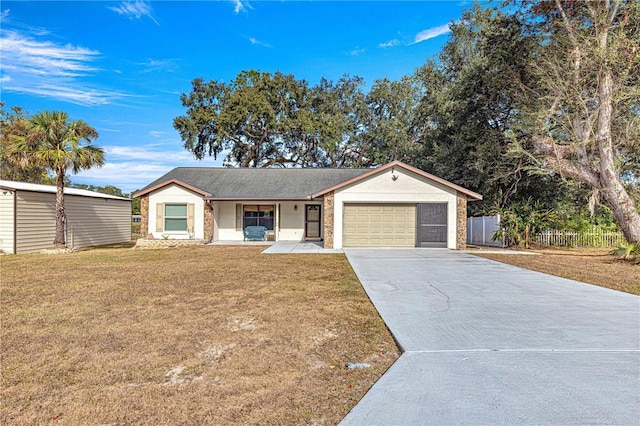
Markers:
266,120
14,164
537,100
50,140
580,110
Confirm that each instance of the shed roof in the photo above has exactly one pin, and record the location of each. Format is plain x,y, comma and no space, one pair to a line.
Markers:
34,187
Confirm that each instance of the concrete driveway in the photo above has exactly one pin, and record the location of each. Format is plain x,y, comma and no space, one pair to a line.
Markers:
488,343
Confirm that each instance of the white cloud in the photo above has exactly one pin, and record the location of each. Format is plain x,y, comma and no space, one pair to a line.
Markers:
430,33
128,176
133,167
241,6
165,65
157,133
355,52
424,35
4,14
126,153
390,43
45,68
107,129
78,95
257,42
44,57
134,9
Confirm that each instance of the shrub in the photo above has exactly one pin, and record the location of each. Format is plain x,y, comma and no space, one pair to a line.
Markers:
628,251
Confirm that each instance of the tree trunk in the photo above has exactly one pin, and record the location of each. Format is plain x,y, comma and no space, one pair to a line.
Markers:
60,238
611,187
624,211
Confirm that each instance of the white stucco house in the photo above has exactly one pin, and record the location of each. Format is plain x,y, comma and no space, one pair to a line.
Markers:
394,205
28,217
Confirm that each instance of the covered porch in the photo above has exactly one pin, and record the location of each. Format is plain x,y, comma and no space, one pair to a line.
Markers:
285,220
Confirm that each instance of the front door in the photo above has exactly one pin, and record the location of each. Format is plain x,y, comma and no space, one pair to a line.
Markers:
432,225
312,222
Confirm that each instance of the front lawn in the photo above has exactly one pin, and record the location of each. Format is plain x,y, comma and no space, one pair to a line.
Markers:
590,265
200,335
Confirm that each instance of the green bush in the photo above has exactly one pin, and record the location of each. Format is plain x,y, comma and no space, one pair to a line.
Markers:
521,221
628,251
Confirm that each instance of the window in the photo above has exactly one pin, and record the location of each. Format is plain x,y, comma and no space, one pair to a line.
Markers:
175,217
258,216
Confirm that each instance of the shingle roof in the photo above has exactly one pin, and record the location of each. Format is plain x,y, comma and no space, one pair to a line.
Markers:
257,183
277,183
34,187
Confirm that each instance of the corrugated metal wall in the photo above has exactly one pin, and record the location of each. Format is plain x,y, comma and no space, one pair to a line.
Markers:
96,221
90,221
35,221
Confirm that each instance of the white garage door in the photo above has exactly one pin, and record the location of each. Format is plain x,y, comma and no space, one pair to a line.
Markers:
379,225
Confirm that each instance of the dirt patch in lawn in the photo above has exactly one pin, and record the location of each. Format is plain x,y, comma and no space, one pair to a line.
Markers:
590,265
200,335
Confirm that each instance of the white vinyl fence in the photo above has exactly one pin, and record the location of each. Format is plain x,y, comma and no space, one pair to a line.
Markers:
480,230
595,237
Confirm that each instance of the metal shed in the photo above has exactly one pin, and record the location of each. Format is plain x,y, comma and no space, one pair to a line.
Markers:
27,217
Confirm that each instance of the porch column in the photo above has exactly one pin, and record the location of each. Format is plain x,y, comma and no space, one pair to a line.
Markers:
328,220
208,221
276,225
461,222
144,216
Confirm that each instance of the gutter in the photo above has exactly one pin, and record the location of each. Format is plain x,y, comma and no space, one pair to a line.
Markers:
255,199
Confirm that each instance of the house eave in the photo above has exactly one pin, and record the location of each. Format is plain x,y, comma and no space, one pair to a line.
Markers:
256,199
169,182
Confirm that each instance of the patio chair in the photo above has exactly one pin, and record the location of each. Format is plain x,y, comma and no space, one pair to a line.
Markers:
255,233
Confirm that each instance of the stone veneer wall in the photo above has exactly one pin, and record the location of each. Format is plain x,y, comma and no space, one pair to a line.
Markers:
208,222
328,220
143,243
144,215
461,222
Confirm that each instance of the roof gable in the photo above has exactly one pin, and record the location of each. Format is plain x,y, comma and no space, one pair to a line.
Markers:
373,172
151,188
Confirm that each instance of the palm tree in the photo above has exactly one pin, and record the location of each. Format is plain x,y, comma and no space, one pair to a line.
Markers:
50,140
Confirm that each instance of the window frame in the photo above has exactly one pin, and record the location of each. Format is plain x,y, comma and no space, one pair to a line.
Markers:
259,208
185,217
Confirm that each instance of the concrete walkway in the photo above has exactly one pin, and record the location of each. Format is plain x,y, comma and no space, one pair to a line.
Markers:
488,343
300,247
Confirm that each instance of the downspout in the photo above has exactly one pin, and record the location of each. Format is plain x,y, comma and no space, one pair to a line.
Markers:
277,225
15,222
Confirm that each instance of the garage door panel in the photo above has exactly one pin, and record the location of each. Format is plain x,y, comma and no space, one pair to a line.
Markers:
379,225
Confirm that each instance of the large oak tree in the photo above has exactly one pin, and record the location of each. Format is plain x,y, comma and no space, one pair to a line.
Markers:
581,109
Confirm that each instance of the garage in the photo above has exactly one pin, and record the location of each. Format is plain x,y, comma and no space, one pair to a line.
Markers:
379,225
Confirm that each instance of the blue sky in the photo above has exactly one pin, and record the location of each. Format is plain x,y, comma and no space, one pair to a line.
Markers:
121,66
